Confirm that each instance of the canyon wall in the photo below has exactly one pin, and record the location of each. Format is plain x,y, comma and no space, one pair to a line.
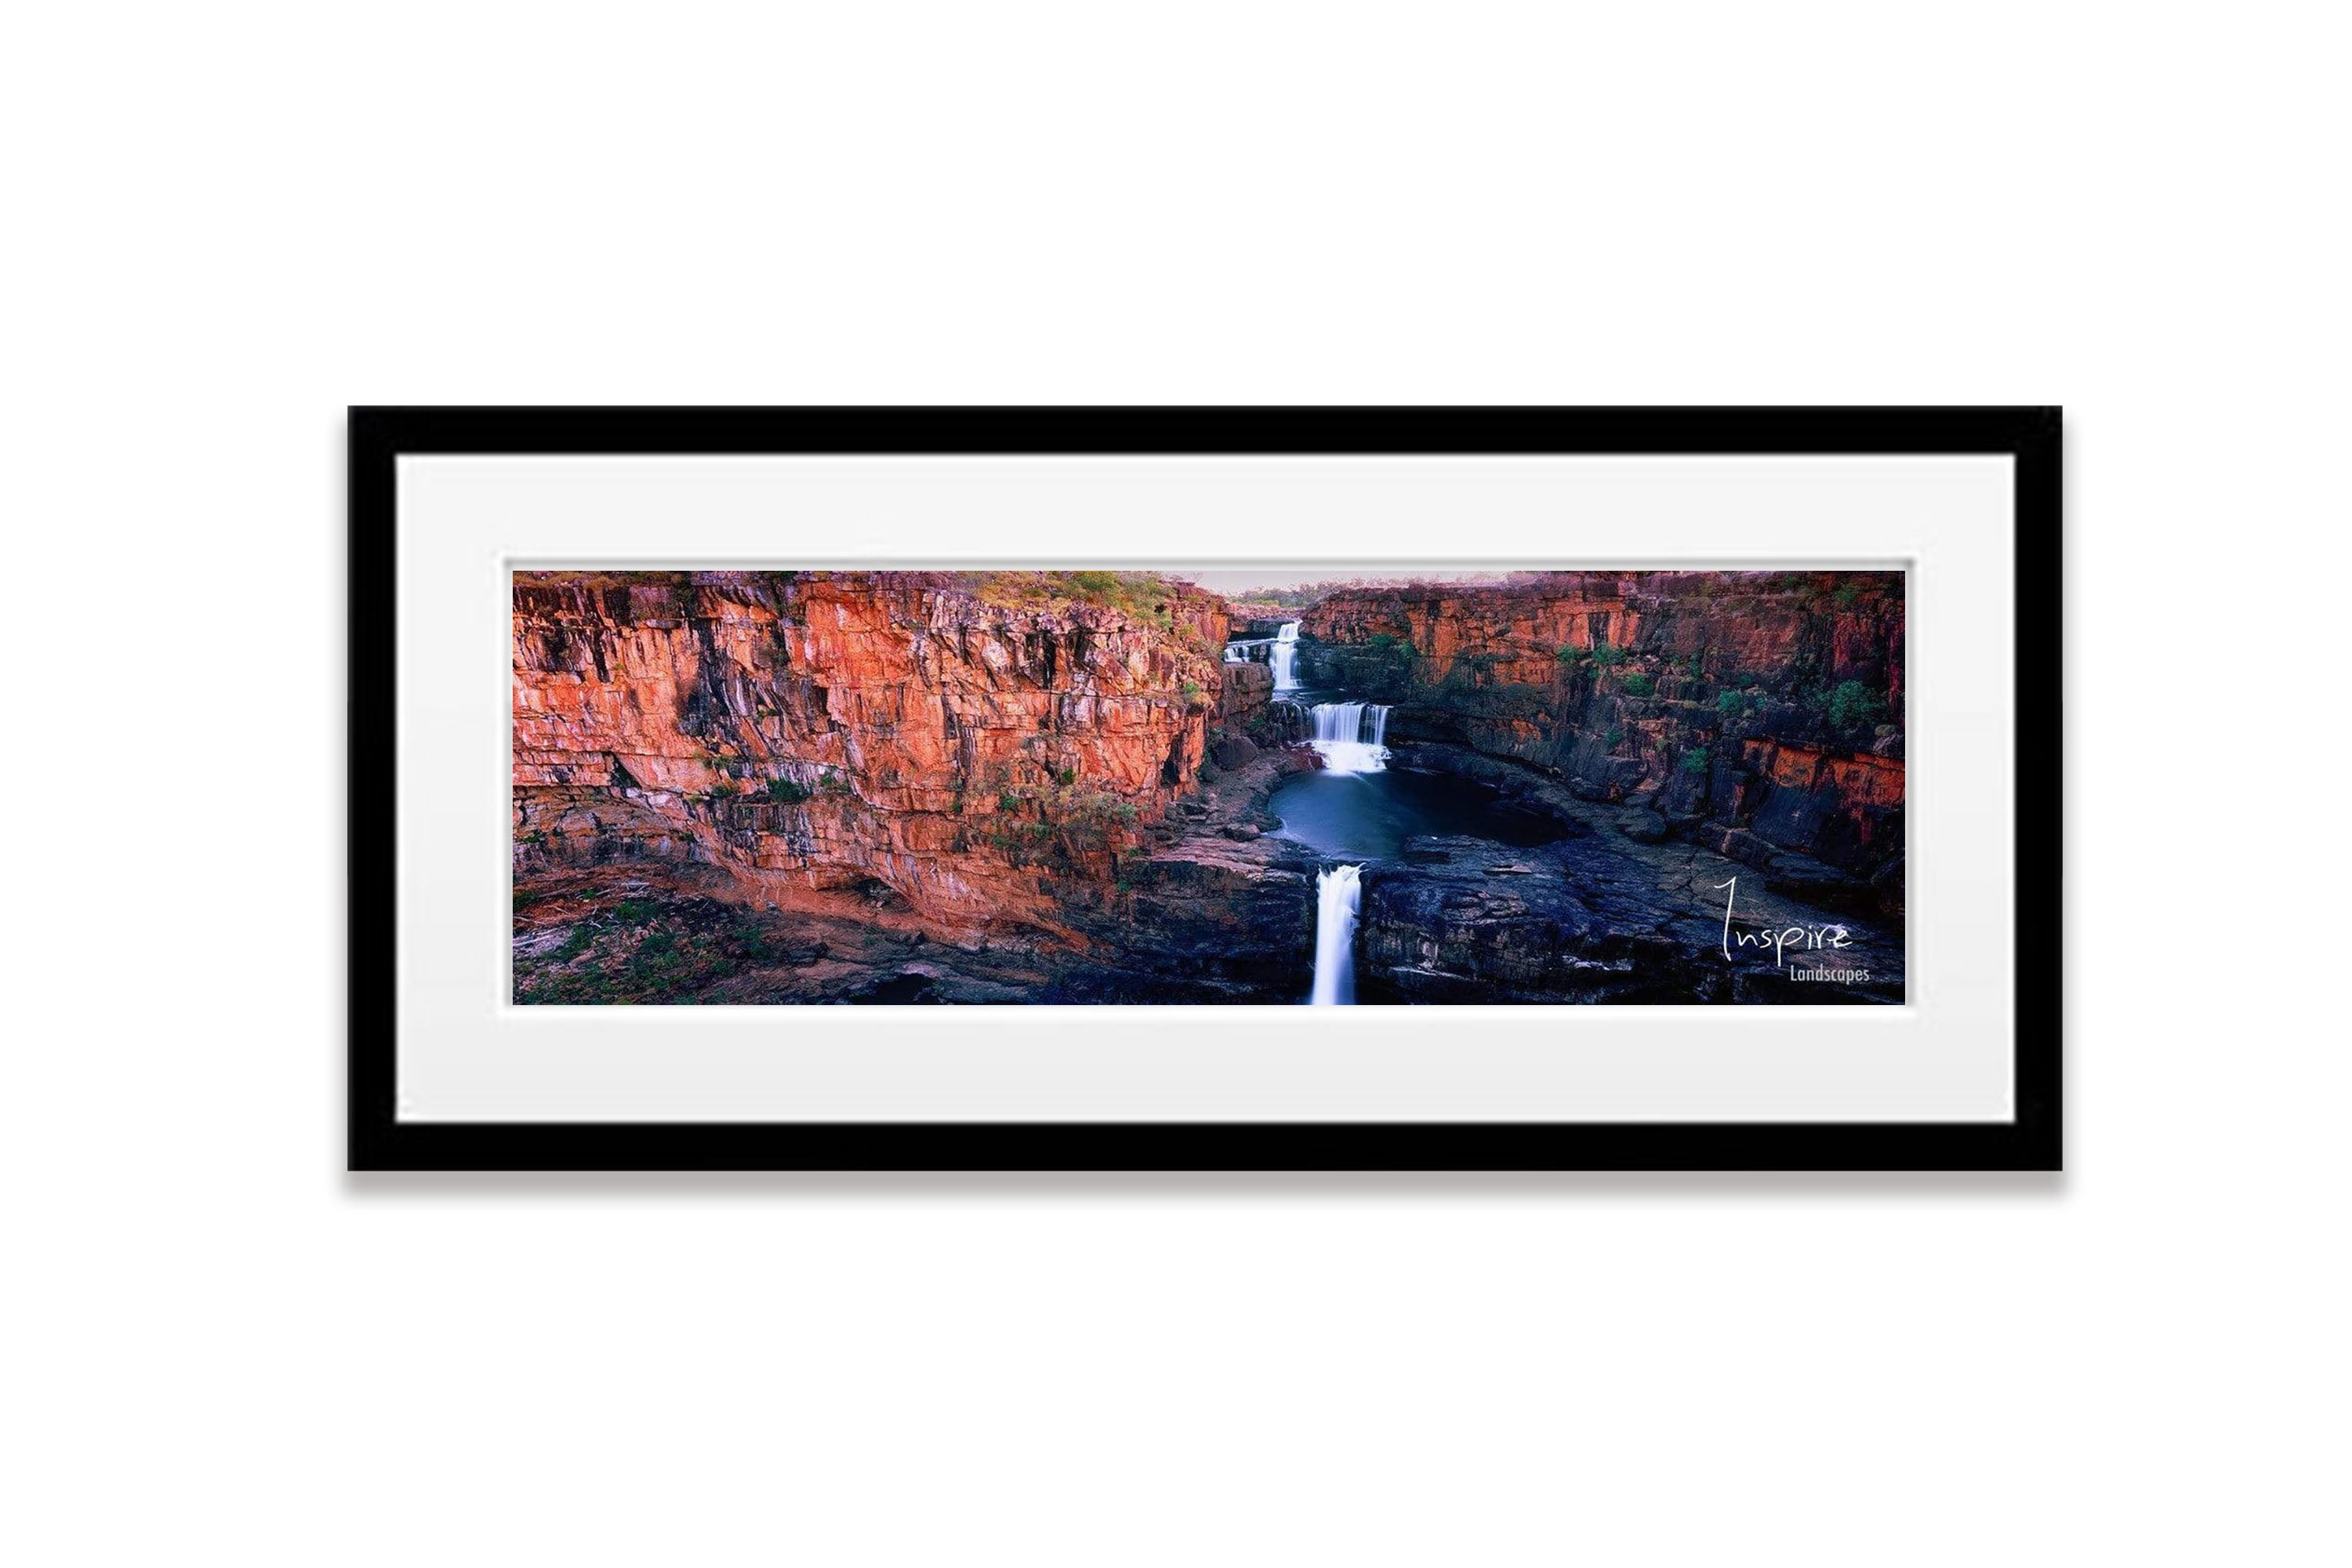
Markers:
958,739
1760,713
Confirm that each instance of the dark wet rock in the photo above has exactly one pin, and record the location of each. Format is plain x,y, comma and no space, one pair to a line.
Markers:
1887,886
1606,778
1233,752
1803,878
1685,793
1737,844
1589,920
1644,827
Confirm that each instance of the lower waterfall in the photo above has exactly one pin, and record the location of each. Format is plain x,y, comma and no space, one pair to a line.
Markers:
1338,896
1352,736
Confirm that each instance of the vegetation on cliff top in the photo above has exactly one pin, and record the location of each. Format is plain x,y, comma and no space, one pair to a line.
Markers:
1140,595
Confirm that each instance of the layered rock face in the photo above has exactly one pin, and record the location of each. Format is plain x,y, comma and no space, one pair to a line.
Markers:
1246,690
956,739
1758,712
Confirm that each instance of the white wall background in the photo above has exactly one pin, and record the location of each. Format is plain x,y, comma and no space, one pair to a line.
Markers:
226,221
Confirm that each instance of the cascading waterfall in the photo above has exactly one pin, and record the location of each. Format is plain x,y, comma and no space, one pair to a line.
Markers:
1338,898
1351,738
1285,656
1340,736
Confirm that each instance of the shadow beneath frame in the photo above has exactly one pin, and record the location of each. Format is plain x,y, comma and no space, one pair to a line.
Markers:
1122,1185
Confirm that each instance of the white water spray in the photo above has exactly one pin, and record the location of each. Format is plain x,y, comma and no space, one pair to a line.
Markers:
1353,737
1338,896
1284,654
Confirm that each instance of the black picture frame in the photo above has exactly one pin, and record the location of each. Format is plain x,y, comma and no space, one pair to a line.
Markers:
380,1140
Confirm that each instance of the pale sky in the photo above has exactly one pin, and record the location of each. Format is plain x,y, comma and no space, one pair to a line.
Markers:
1238,580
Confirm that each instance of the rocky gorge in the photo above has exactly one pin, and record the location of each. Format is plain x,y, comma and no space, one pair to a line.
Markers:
1096,786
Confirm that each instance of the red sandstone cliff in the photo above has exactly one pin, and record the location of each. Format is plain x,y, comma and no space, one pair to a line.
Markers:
1763,709
1838,625
953,737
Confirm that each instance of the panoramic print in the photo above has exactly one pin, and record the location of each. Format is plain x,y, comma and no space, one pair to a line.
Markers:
1326,787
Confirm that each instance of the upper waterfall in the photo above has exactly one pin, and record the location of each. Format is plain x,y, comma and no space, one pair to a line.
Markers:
1285,657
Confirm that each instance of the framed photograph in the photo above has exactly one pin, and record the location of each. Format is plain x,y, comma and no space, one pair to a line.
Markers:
1173,789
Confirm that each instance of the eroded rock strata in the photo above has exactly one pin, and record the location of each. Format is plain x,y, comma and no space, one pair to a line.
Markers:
1760,712
1004,787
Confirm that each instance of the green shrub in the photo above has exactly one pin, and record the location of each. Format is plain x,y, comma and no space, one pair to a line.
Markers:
1605,655
1616,739
1854,705
1639,685
657,958
1690,667
783,792
753,946
1731,704
635,912
1008,801
579,942
1066,777
1694,760
725,789
1570,654
1848,596
1192,691
1090,821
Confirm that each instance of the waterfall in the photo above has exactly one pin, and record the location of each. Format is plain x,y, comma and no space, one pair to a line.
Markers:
1339,736
1286,653
1338,896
